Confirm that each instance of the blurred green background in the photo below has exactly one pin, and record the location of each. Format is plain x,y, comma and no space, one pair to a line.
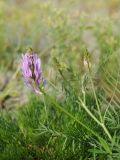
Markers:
78,116
63,30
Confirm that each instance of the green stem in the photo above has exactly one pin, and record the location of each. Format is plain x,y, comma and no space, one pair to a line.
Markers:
98,107
45,108
70,115
96,120
89,112
106,131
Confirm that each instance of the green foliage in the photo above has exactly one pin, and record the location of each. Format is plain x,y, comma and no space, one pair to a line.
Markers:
78,115
48,128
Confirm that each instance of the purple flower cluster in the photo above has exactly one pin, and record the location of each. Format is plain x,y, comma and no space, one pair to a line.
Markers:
31,70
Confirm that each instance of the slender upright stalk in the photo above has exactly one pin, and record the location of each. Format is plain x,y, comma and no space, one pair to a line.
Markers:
98,107
45,108
95,119
70,115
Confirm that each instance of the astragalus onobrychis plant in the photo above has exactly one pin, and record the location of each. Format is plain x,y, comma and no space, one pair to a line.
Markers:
74,125
31,70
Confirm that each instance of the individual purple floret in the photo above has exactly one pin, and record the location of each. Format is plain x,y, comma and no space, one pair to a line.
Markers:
44,81
31,70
